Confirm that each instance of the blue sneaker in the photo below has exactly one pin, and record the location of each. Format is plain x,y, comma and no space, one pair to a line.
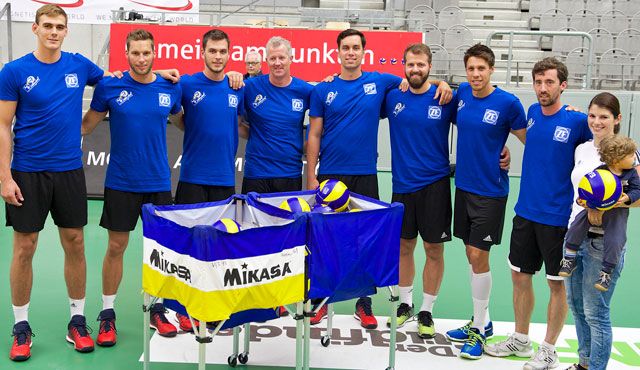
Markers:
474,346
461,334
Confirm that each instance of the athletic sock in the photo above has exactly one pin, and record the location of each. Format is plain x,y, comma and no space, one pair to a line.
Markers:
108,301
76,306
524,338
570,253
406,295
480,292
551,347
427,302
21,313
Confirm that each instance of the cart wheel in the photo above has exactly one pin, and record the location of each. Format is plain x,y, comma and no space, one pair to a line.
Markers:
325,341
232,360
243,358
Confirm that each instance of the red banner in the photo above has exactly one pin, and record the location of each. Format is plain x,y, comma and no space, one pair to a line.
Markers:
315,53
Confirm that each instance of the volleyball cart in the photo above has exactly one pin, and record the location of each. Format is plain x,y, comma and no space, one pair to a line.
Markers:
223,280
350,255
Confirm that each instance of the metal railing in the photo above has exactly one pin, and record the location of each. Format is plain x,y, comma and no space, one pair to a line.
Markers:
587,82
6,9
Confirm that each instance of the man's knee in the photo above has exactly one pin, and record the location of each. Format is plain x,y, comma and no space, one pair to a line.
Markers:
407,247
24,246
521,280
434,251
557,287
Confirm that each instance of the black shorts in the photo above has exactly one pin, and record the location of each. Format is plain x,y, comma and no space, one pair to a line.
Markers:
366,185
478,220
533,243
62,193
122,208
277,185
188,193
427,211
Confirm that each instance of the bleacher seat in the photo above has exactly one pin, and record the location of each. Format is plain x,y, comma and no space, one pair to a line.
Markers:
410,4
564,44
602,40
438,5
419,16
439,61
628,7
456,63
450,16
457,35
570,6
629,41
616,66
576,62
634,22
614,21
600,6
583,20
432,34
553,20
537,7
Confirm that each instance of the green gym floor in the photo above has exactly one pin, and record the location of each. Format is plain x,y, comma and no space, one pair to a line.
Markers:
49,311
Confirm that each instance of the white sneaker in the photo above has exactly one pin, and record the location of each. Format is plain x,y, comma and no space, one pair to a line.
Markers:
544,359
510,346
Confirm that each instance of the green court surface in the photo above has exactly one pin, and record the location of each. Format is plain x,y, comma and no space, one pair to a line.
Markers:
49,313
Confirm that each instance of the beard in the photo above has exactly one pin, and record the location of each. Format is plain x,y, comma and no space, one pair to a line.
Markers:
417,80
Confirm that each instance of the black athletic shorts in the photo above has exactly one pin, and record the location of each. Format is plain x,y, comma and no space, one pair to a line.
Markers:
62,193
189,193
478,220
428,212
276,185
533,243
122,208
366,185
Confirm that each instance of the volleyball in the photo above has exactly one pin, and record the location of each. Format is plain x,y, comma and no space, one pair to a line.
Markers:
227,225
600,189
333,193
295,205
319,208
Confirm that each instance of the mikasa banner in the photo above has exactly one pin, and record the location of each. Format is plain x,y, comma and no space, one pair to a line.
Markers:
100,11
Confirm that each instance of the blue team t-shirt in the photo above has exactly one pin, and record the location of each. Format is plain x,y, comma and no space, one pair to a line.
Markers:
351,114
546,193
211,110
276,119
483,127
419,128
138,123
49,110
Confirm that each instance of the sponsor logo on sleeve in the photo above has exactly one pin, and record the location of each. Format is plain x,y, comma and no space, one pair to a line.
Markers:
460,105
530,123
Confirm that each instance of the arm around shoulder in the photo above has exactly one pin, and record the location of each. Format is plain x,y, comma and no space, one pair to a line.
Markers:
90,120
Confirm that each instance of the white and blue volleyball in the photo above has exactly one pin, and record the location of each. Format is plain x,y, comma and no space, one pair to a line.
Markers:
600,189
227,225
319,208
295,205
333,193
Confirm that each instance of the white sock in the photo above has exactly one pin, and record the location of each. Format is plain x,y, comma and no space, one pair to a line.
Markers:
406,294
427,302
550,346
21,313
524,338
108,301
76,306
480,292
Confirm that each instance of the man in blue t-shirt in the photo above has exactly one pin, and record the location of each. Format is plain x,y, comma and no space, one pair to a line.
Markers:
275,106
43,91
542,212
419,127
486,115
343,134
138,172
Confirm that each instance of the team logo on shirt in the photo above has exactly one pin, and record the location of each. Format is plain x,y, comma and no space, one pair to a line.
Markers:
71,80
296,105
561,134
370,89
399,108
258,100
233,100
530,123
435,112
490,116
197,97
460,105
330,97
31,83
124,96
164,100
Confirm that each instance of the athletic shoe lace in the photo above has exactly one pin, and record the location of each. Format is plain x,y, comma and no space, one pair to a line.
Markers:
22,336
365,305
566,264
474,338
425,318
404,309
106,325
82,329
544,355
604,277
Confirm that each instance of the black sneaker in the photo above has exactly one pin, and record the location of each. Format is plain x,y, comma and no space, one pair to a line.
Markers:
604,281
426,327
404,314
567,265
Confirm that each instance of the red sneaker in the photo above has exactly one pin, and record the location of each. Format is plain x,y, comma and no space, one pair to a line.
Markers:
160,323
78,334
364,313
185,324
320,315
21,347
107,334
